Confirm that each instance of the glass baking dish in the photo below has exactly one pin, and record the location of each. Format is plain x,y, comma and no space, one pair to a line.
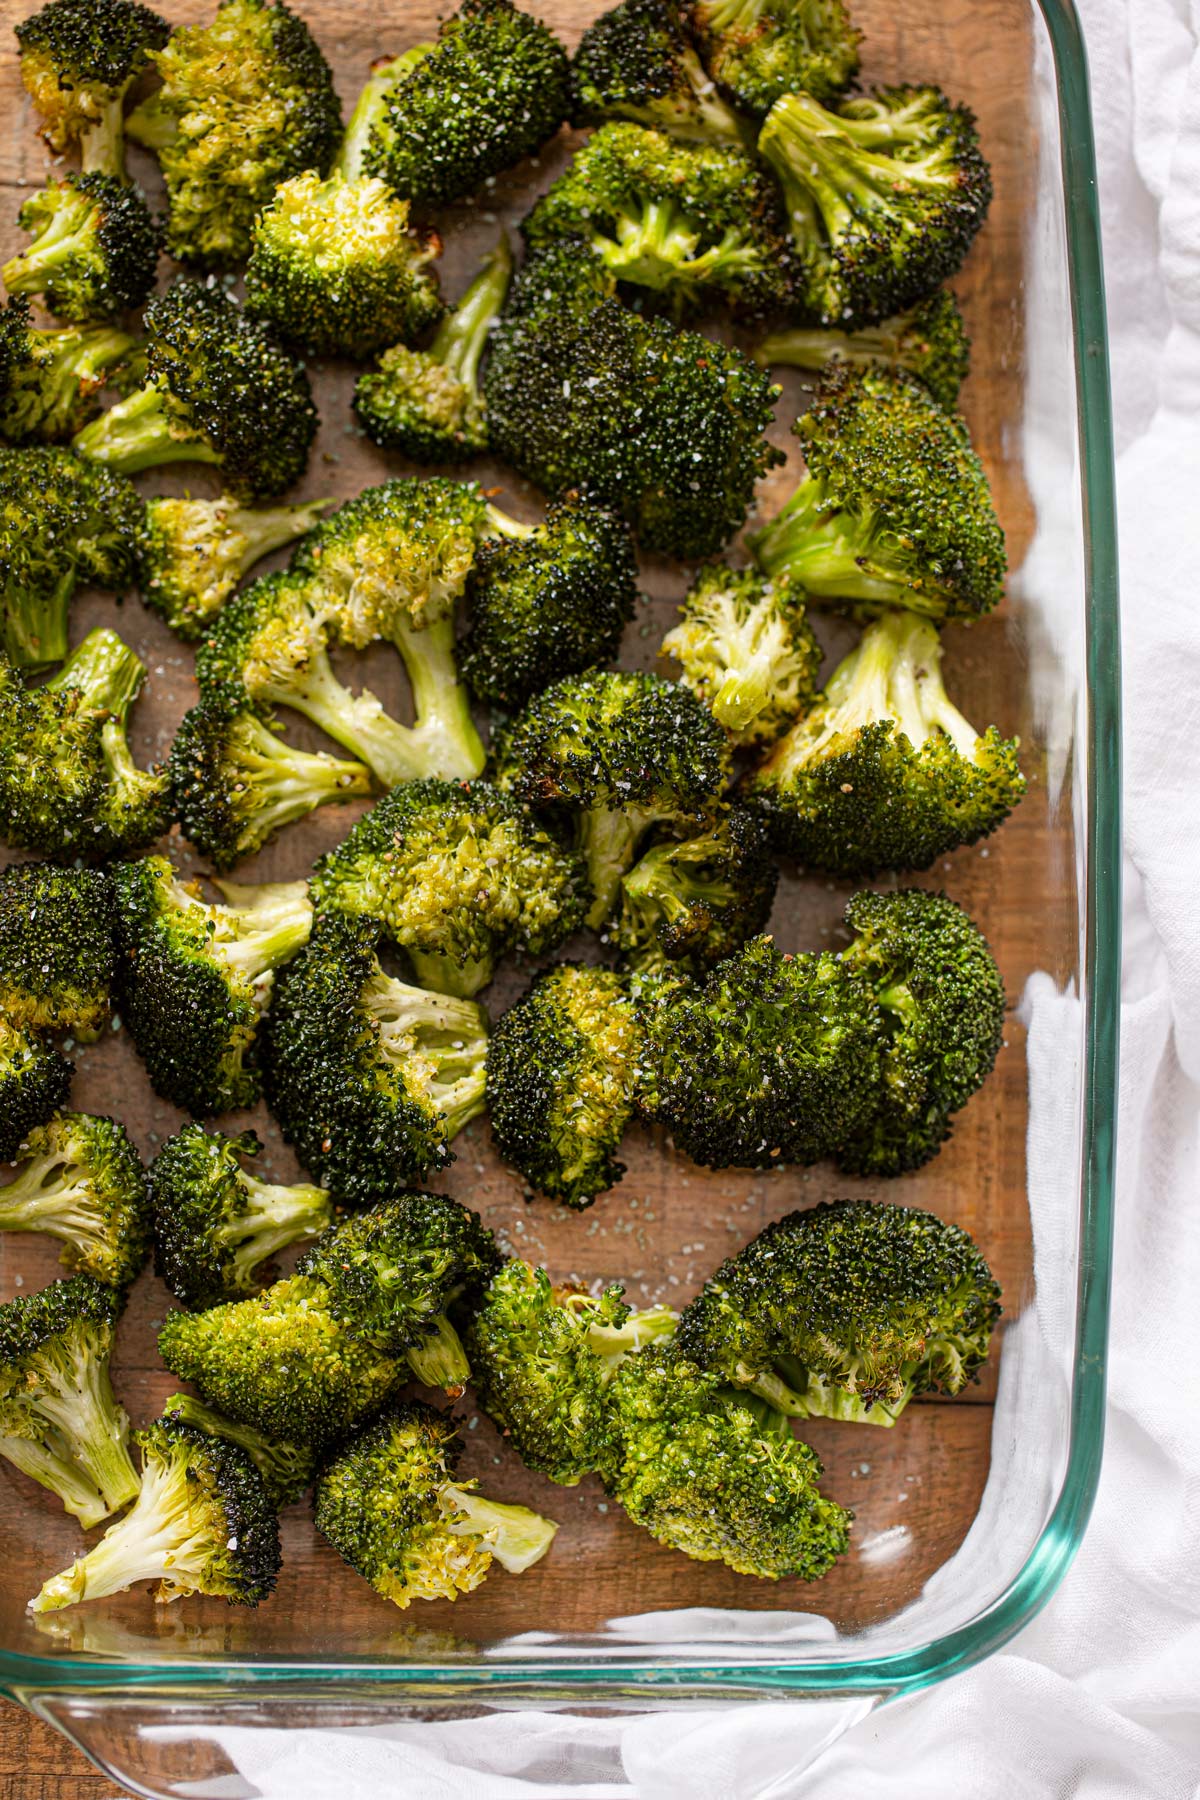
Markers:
611,1619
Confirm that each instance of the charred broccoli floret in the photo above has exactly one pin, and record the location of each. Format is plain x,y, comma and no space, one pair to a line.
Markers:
689,902
50,380
246,102
81,1180
196,978
215,1223
846,1312
78,61
389,1504
218,390
202,1523
286,1469
59,1421
929,341
195,552
894,508
637,62
369,1078
884,772
94,251
56,949
35,1081
747,650
759,50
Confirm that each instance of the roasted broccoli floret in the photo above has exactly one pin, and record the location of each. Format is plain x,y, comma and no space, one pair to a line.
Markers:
50,380
202,1523
94,251
491,90
427,403
215,1223
942,1001
929,341
622,752
236,783
746,648
773,1059
689,902
546,601
35,1081
637,62
59,1421
389,1504
759,50
196,978
218,390
195,552
81,1180
542,1358
718,1475
78,61
458,875
885,193
56,949
286,1469
246,102
884,772
369,1078
846,1312
894,508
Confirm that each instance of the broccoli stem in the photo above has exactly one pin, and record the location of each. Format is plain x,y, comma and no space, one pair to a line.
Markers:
59,243
462,335
448,1033
445,975
76,1397
608,840
36,625
613,1343
52,1193
156,1540
444,740
506,526
67,364
276,1217
288,784
797,349
438,1360
370,109
820,1398
53,1469
834,555
668,885
356,721
657,248
102,145
516,1537
152,125
267,528
139,433
270,922
105,670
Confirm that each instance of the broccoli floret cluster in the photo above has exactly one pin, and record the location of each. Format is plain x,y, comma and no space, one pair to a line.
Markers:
195,552
95,247
759,50
80,1179
78,61
929,341
56,949
35,1080
50,380
746,649
638,62
691,901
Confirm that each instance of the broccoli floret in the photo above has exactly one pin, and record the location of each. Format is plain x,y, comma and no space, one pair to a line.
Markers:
623,752
773,1059
687,221
885,194
689,902
81,1180
94,251
35,1081
746,648
929,341
884,772
458,874
846,1312
197,978
369,1078
50,380
546,601
427,403
637,62
218,390
389,1505
490,91
716,1475
215,1223
894,508
78,61
246,102
56,949
759,50
195,552
59,1421
542,1358
202,1523
282,1364
286,1469
235,783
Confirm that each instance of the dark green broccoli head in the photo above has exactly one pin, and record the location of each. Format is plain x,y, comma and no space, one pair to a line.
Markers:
638,62
202,1523
389,1504
81,1180
78,58
894,508
759,50
547,602
929,341
718,1477
689,902
50,380
286,1469
215,1223
35,1081
51,773
747,650
95,247
56,949
195,552
369,1079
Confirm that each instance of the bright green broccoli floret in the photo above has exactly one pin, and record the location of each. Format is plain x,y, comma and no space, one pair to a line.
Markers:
884,772
637,62
81,1180
542,1358
929,341
716,1475
369,1078
427,403
759,50
56,949
197,978
202,1523
35,1081
458,875
94,251
50,380
78,61
218,390
215,1223
195,552
846,1312
286,1469
747,649
389,1505
689,902
59,1421
491,90
246,103
894,508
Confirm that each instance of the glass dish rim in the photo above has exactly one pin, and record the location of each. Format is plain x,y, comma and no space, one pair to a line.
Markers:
904,1671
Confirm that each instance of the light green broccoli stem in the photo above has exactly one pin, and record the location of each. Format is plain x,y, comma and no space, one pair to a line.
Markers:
54,1469
720,16
268,924
107,672
66,363
139,433
438,1360
161,1538
369,117
613,1343
504,525
608,840
463,334
444,974
821,1398
78,1401
264,528
153,125
662,879
444,738
287,784
797,349
657,248
446,1032
834,159
102,145
894,673
516,1537
54,1194
830,554
279,1216
356,721
72,217
284,1467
